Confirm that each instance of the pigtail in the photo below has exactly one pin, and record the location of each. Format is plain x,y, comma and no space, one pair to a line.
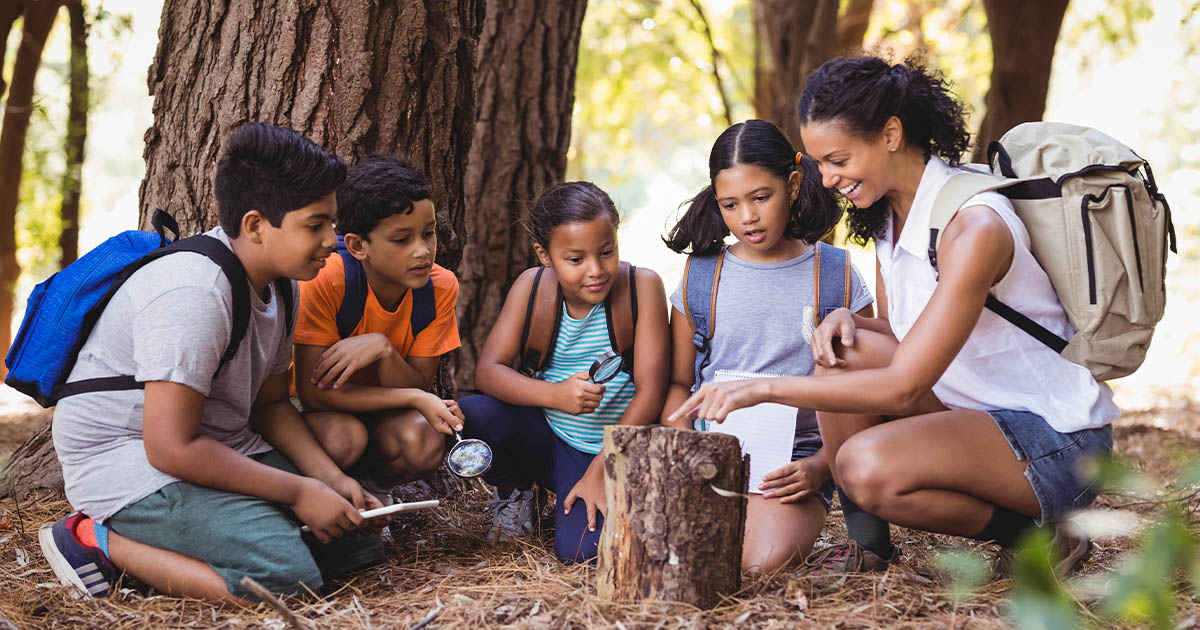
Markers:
701,230
816,210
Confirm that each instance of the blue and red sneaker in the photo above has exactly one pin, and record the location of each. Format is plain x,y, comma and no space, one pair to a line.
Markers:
74,546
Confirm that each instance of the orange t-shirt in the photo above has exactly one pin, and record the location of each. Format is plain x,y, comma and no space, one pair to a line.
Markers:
321,297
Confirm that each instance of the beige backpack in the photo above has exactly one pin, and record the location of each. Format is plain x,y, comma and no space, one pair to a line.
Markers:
1099,227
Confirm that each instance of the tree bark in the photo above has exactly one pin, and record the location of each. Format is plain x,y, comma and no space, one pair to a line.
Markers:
668,536
798,37
10,10
355,77
39,17
1023,33
34,467
77,117
852,27
525,85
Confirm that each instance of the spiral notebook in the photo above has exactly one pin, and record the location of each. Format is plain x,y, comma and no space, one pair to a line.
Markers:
766,430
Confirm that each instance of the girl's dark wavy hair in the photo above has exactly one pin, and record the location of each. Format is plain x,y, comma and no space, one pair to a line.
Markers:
815,212
568,202
863,93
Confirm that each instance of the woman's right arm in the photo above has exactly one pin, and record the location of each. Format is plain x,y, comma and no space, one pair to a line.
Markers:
494,374
683,366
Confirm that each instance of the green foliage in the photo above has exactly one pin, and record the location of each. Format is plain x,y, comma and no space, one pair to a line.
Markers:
645,92
1039,601
964,571
1111,24
1144,588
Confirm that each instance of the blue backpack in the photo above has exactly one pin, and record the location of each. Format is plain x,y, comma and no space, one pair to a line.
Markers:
424,308
702,274
63,309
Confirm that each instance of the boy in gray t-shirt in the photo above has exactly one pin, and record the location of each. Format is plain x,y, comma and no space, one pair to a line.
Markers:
205,476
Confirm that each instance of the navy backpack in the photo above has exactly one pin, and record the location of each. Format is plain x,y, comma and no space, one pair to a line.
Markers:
702,274
424,308
62,310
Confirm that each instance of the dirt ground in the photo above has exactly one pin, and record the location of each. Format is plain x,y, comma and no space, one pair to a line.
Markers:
441,573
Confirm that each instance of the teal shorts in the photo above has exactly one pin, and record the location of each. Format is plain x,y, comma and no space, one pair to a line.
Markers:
239,535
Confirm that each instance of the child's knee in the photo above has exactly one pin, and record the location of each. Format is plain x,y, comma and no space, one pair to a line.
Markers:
411,443
863,472
343,437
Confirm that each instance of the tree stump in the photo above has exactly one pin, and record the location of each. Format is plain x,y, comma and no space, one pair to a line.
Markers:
668,535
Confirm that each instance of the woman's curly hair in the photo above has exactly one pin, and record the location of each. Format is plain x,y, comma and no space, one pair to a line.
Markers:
863,93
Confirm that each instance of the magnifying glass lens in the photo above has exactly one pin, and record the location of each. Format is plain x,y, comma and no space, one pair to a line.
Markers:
469,458
606,367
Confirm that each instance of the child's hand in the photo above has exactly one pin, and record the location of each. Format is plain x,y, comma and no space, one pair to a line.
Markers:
362,500
441,414
326,513
578,395
794,481
341,360
837,325
590,488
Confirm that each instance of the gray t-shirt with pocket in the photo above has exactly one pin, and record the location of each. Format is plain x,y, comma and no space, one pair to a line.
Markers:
760,310
169,322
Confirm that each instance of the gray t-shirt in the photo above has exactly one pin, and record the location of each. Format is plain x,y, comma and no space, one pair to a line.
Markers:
760,308
169,322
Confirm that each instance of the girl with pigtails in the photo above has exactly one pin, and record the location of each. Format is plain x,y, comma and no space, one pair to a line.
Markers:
938,415
770,198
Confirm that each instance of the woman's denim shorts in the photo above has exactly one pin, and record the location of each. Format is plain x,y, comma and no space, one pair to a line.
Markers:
1054,460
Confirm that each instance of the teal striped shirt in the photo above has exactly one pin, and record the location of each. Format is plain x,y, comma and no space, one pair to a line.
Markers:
580,342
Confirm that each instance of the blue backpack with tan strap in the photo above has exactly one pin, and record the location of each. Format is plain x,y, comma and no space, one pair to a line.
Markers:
702,276
62,311
350,313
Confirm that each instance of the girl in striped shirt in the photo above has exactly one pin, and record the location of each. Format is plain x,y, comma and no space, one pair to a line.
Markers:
546,429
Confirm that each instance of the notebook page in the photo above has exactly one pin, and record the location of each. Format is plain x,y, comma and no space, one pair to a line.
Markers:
765,430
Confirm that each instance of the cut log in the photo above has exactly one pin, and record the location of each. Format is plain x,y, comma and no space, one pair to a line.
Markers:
668,535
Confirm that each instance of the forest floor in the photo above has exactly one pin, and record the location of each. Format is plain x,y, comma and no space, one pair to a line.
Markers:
441,573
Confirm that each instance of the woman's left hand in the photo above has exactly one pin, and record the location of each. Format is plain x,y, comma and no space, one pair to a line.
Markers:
794,481
590,488
714,401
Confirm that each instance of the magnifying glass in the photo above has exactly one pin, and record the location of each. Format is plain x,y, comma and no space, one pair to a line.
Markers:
606,368
469,458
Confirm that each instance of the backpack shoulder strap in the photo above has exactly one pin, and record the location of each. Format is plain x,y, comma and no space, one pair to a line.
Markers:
957,191
239,285
701,276
354,301
424,308
287,301
831,280
543,316
620,311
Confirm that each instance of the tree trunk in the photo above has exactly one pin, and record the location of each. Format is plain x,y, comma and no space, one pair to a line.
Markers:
10,10
852,27
1024,33
33,468
668,535
77,116
525,95
798,36
355,77
39,17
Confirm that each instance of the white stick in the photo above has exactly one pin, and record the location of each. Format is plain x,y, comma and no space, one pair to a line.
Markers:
392,509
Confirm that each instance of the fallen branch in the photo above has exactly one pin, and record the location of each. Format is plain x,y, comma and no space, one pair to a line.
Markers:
298,623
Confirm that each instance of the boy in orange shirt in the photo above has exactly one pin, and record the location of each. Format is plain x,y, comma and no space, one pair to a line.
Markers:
364,384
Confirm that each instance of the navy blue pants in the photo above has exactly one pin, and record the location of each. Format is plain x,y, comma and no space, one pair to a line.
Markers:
526,451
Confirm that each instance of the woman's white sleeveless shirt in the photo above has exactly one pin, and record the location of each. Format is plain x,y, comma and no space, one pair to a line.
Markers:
1001,366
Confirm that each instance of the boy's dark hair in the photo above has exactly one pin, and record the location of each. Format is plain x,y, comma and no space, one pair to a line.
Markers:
274,171
815,212
862,93
568,202
376,188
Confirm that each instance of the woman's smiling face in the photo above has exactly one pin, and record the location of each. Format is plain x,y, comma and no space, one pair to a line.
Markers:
856,167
